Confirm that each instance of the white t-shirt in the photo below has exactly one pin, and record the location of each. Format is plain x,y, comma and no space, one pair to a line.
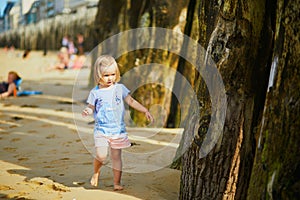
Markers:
109,109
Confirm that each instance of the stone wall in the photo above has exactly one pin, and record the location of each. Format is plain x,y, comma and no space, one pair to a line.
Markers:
48,33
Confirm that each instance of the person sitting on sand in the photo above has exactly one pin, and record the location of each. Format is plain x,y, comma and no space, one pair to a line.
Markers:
63,60
77,61
8,88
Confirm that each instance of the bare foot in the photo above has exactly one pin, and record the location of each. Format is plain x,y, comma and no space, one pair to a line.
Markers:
118,187
94,180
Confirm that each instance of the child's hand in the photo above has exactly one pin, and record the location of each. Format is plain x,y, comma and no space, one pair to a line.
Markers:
149,116
87,111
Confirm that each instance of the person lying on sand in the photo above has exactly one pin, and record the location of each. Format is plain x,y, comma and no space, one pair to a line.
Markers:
8,88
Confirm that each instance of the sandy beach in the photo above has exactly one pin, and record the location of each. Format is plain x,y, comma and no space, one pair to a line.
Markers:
46,147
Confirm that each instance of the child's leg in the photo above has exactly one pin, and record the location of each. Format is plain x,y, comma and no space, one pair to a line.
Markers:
101,154
117,167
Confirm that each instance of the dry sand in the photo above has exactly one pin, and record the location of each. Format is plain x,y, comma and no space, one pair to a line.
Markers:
44,157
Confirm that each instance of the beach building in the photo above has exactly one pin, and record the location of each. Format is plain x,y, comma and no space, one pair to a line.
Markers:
24,12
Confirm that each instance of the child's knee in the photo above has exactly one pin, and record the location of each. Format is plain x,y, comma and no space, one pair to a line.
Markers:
101,158
116,157
101,154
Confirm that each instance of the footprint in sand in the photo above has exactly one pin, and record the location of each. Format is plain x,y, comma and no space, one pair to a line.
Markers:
49,184
87,163
65,159
21,172
5,187
46,125
15,139
17,118
32,131
48,167
10,149
59,187
65,102
19,195
51,136
28,106
69,142
134,144
23,159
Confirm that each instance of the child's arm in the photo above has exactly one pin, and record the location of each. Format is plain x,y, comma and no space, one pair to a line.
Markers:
139,107
88,110
9,91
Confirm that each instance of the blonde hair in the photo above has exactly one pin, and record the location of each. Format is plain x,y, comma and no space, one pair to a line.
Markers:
14,74
102,64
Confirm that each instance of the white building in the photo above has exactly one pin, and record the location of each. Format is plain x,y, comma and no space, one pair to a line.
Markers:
69,6
26,12
15,16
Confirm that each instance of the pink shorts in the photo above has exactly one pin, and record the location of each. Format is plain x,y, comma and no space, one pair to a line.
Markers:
115,143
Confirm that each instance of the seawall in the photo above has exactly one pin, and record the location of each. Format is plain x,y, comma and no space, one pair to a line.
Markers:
48,33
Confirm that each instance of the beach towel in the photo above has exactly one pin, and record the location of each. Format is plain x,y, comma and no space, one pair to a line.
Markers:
19,92
28,92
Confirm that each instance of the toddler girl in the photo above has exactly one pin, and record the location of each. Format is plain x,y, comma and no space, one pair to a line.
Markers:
105,101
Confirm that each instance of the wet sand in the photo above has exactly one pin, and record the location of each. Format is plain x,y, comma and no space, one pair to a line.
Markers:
43,156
